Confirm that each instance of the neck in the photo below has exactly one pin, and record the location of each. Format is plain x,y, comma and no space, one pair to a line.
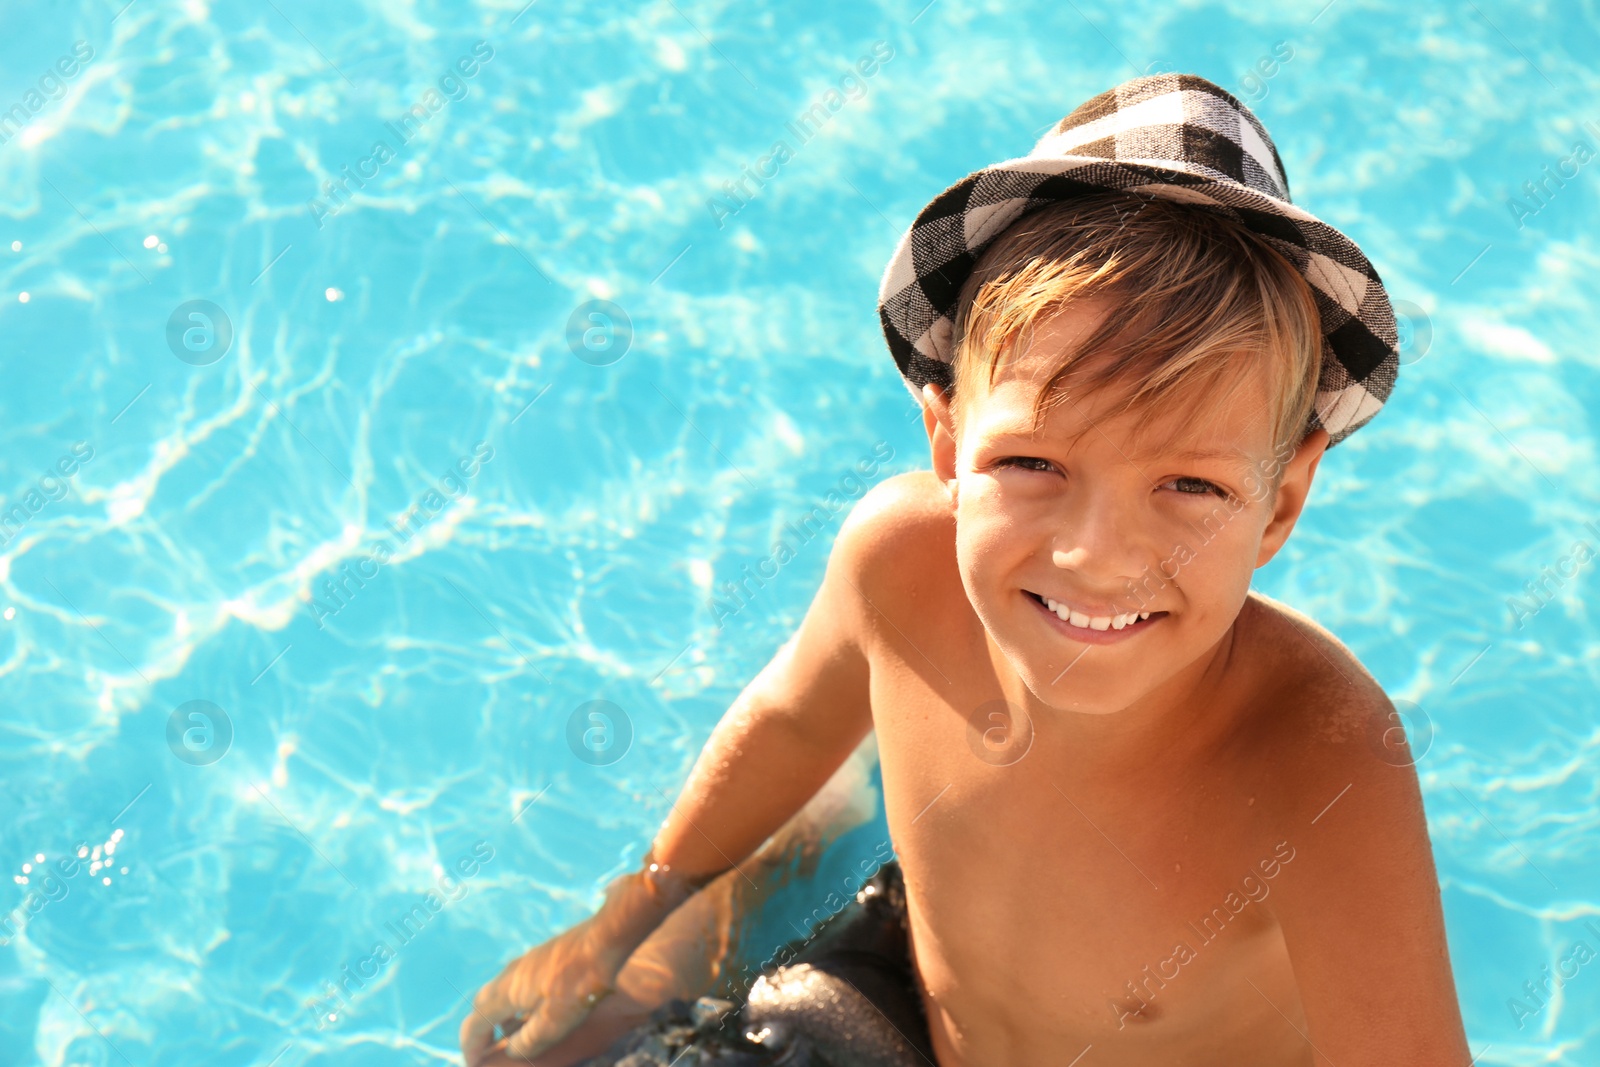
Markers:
1180,719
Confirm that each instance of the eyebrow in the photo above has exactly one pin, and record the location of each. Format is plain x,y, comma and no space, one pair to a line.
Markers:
1235,454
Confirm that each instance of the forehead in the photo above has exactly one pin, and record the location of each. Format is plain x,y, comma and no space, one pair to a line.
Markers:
1230,420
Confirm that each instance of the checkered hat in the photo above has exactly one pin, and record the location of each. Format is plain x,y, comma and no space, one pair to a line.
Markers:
1176,137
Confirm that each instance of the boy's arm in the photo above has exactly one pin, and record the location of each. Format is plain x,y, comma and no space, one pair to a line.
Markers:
1362,917
780,741
787,732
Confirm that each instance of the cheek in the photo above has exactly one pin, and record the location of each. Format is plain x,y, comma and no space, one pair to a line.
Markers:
1215,580
989,537
988,549
975,558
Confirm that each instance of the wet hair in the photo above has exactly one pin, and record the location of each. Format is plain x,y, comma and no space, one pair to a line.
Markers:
1199,305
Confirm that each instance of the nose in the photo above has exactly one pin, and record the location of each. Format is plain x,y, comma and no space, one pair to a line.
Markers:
1099,538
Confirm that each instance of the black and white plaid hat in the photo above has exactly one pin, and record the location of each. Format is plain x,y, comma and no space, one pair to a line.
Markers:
1176,137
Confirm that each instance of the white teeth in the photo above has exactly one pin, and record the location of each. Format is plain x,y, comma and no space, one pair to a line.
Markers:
1093,622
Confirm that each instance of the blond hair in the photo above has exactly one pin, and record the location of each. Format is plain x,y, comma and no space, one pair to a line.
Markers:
1209,301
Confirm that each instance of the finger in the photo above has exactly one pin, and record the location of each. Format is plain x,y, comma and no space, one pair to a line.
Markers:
492,1002
529,1041
495,1055
477,1029
476,1037
498,1057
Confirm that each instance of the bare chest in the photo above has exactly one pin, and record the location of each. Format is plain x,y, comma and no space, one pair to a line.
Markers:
1050,913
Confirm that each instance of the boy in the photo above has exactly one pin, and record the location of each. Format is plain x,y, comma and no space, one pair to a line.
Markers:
1142,814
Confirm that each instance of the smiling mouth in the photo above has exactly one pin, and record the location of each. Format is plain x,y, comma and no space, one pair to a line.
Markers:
1132,620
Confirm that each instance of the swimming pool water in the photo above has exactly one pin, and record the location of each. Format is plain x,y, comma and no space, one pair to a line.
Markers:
395,510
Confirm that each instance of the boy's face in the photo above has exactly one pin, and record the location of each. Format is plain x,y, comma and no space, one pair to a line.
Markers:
1103,523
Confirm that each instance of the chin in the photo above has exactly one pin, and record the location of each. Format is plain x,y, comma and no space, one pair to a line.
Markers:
1084,695
1105,688
1082,675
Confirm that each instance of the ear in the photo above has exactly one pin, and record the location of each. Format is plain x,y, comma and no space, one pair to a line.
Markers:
936,420
1292,493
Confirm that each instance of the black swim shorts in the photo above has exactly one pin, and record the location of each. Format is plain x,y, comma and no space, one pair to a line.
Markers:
845,998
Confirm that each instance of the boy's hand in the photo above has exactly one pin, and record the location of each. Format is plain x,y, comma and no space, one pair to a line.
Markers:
542,996
785,736
545,994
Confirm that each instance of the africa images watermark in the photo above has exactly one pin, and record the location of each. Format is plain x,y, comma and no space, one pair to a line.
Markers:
452,87
882,853
1542,590
338,591
48,883
737,194
1542,192
1258,486
451,885
1539,993
1211,926
52,85
1254,82
1252,86
848,488
50,486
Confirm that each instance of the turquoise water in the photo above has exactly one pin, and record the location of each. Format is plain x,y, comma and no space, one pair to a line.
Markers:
384,391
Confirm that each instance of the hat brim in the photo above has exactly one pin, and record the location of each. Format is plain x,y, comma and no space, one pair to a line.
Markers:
920,287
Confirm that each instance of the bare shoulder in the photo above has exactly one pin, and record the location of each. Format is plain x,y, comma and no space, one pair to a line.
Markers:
900,529
821,676
891,537
1361,913
1310,673
895,561
1327,720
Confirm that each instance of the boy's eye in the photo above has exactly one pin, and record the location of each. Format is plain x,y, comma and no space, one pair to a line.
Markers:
1186,485
1196,486
1031,463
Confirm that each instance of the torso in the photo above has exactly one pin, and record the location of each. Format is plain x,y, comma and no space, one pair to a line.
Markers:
1048,902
